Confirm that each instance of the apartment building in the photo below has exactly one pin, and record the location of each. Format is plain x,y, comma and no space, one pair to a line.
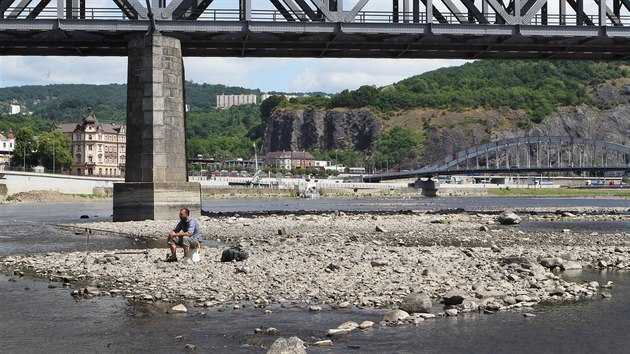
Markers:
98,149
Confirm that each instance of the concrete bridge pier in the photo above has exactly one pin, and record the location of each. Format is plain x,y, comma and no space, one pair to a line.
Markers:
429,186
156,181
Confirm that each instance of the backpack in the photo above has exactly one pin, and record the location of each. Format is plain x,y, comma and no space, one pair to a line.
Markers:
234,253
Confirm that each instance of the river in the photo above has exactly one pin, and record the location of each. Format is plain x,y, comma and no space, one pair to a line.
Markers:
38,318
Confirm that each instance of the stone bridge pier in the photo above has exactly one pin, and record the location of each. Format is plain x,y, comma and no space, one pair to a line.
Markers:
156,181
429,186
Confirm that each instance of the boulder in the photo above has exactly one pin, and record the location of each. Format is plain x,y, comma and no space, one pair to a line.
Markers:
508,218
179,308
454,297
293,345
416,303
395,316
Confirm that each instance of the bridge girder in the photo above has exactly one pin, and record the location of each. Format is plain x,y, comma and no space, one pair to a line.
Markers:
464,29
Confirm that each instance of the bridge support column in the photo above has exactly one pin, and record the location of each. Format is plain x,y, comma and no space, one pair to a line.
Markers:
429,187
156,182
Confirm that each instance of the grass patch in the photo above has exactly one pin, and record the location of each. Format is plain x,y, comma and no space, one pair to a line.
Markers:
560,192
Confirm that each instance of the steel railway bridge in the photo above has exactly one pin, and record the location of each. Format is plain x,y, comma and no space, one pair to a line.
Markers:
464,29
534,154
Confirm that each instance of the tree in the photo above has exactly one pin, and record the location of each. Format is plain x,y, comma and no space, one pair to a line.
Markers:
269,105
24,152
54,150
397,145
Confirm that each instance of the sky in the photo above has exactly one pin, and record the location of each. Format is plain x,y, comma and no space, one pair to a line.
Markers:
266,74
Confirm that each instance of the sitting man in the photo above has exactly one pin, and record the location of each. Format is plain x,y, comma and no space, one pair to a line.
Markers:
186,234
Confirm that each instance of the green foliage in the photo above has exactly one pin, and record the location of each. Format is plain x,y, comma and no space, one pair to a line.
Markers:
269,105
24,152
397,145
54,150
536,87
343,157
15,121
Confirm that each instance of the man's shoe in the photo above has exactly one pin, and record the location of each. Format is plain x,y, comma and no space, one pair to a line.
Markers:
171,259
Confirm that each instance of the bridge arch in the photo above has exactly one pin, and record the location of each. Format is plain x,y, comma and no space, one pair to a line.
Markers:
559,152
526,154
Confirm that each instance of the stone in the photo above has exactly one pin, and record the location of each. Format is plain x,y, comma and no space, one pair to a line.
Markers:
314,308
271,331
551,262
395,316
570,265
349,325
380,229
416,303
486,294
337,332
379,263
527,314
180,308
606,295
366,325
293,345
508,218
190,346
454,297
451,312
323,343
484,228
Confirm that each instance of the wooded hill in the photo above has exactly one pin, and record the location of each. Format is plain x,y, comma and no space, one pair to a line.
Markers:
534,89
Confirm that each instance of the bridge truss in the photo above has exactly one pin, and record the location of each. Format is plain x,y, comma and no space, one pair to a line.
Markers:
527,154
466,29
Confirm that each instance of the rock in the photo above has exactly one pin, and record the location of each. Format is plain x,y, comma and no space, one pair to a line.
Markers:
337,332
451,312
366,325
454,297
551,262
495,248
486,294
379,263
323,343
395,316
314,308
380,229
529,315
570,265
606,295
350,325
271,331
508,218
559,291
416,303
293,345
484,228
282,231
180,308
190,346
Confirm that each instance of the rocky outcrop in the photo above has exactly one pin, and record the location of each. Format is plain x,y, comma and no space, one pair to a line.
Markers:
320,130
612,125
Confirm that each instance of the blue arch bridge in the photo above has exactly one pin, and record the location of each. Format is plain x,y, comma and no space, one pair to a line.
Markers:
525,155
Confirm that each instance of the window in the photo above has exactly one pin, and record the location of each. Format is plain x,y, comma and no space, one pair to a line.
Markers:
100,147
90,137
89,147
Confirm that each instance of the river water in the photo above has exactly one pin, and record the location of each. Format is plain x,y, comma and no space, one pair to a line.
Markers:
40,319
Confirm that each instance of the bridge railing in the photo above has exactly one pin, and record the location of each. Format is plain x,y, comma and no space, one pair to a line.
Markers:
388,17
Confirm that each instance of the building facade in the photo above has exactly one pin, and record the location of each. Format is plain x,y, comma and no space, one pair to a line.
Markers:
7,144
98,149
289,160
227,101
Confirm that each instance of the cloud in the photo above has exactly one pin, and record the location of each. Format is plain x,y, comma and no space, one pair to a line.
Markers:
269,74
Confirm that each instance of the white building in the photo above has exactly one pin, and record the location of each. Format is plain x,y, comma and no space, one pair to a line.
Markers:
227,101
15,108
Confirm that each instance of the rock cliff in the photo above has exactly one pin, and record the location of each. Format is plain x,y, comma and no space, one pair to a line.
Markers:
445,134
321,130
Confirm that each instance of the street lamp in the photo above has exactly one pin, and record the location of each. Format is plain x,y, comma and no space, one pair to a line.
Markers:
54,145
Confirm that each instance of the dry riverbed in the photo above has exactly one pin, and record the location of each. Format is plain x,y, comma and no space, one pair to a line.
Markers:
341,260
